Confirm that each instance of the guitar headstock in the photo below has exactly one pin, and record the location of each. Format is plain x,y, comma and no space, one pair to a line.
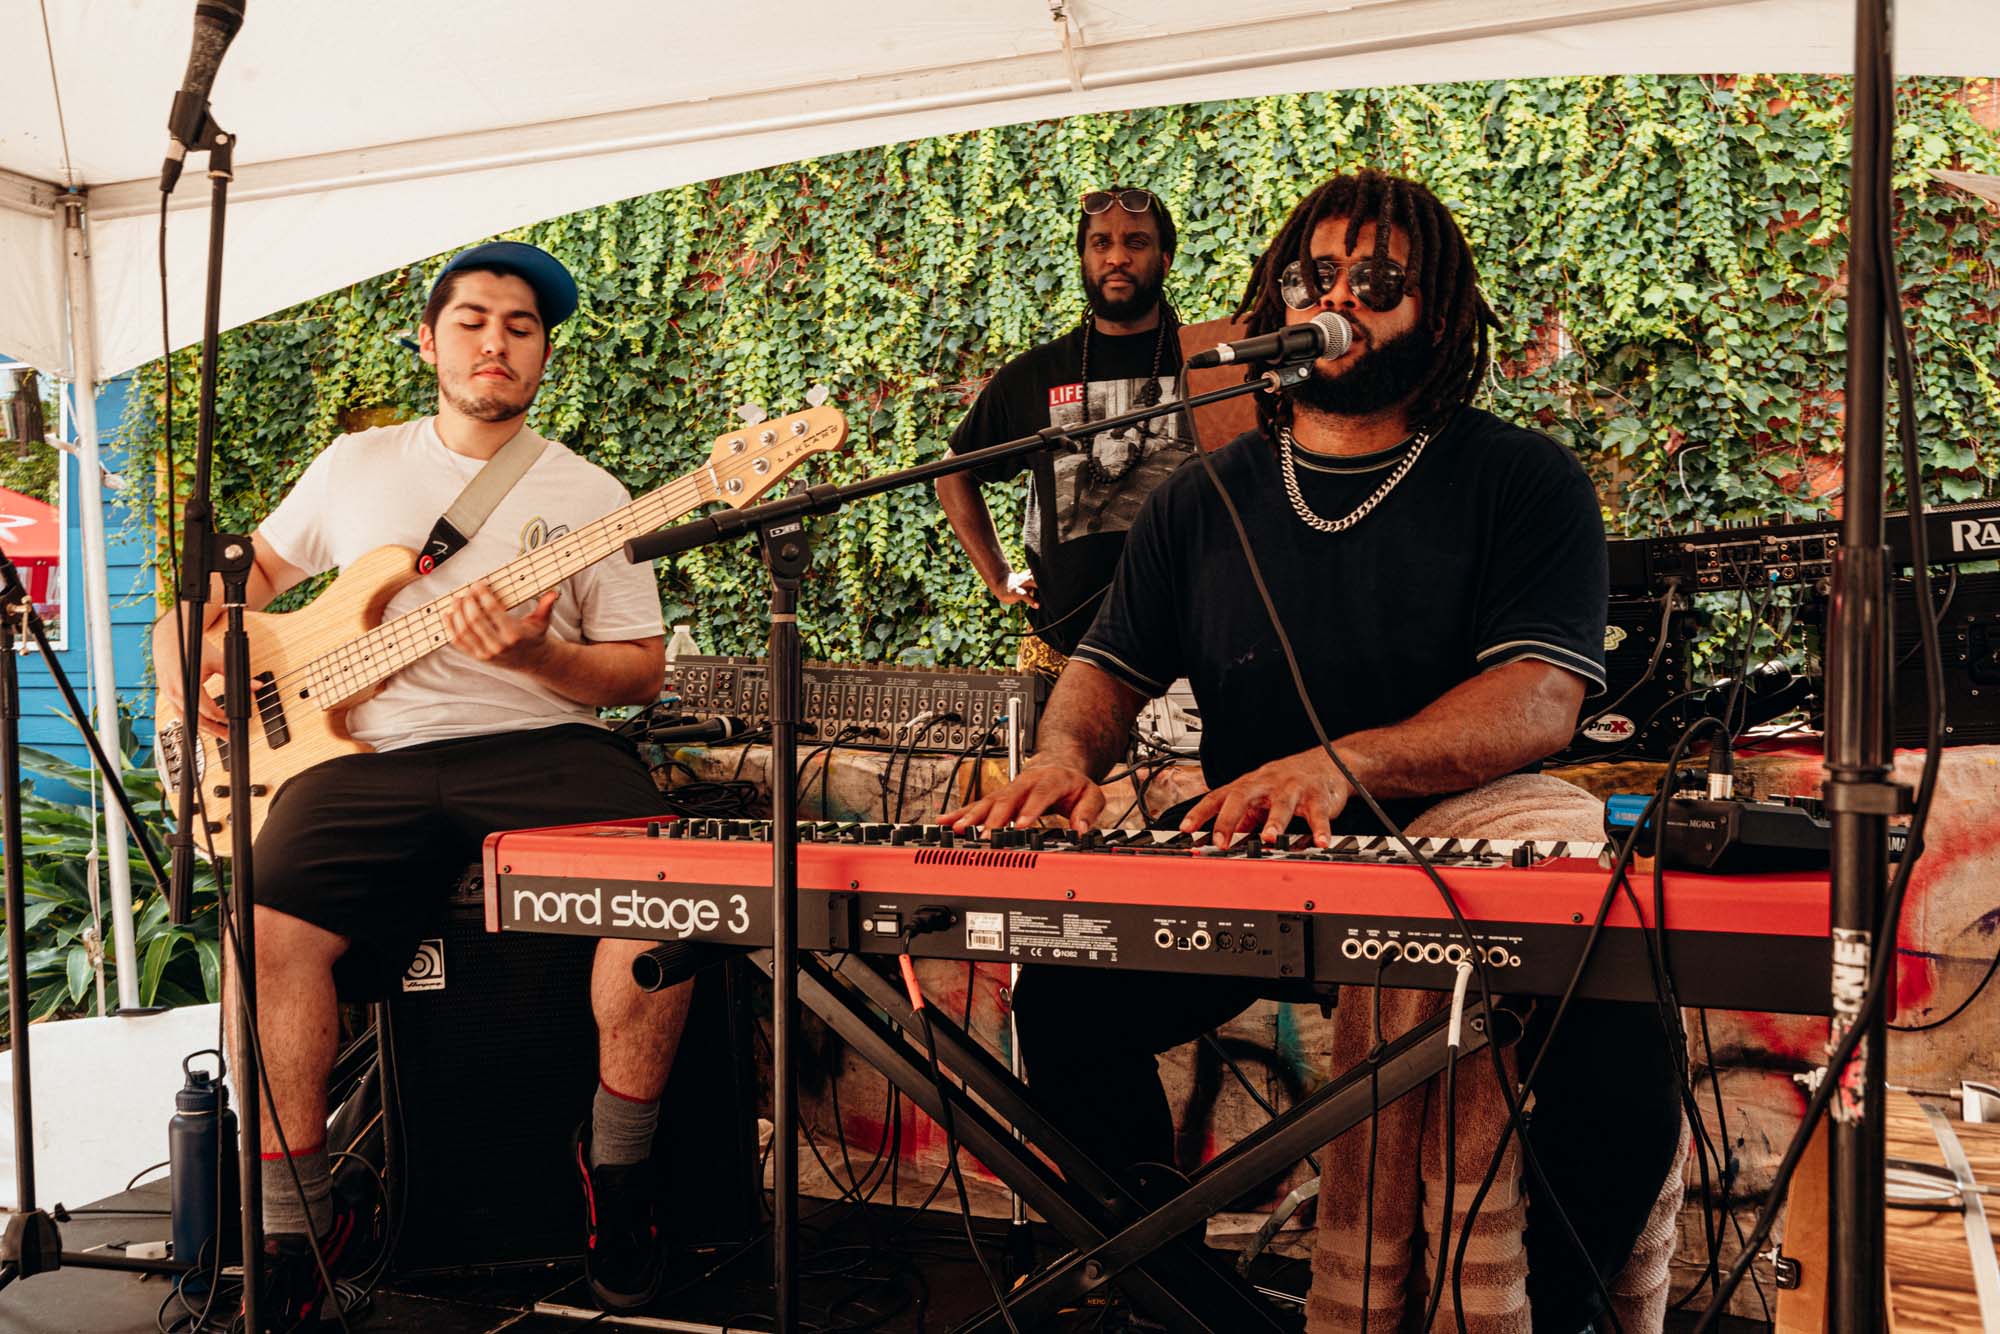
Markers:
747,462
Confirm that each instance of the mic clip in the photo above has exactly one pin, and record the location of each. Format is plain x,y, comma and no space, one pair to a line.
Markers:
1280,378
203,136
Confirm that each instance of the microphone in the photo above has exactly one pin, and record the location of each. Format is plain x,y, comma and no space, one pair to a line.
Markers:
702,729
215,25
1328,335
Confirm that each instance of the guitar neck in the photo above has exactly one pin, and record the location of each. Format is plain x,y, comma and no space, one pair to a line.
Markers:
367,660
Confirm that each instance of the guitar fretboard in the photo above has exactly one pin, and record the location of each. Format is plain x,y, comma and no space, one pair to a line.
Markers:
367,660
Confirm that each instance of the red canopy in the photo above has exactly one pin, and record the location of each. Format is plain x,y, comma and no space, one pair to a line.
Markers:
31,535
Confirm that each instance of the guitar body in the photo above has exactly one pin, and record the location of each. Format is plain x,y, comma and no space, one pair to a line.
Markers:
289,735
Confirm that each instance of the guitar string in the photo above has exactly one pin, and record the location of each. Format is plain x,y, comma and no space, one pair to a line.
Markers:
355,664
388,648
350,668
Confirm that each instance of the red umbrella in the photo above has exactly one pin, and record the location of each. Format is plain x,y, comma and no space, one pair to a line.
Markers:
31,535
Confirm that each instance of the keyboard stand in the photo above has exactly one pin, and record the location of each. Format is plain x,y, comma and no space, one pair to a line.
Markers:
1111,1234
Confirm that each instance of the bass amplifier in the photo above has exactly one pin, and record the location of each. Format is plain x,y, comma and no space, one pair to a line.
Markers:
1646,702
496,1063
1968,611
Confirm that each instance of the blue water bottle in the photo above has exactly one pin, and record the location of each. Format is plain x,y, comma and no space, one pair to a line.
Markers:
201,1153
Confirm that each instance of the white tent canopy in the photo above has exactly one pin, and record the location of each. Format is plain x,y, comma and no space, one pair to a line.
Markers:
373,133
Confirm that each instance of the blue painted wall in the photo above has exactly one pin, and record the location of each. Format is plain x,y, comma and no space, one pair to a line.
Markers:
45,723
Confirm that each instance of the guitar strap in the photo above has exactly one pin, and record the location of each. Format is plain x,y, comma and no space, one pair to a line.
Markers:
456,526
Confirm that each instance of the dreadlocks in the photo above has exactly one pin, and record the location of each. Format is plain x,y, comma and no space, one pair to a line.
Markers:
1440,268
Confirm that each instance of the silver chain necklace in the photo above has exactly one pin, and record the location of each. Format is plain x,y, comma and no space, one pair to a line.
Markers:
1305,511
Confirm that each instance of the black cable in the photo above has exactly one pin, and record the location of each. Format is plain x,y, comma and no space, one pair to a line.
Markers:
1667,597
1449,1205
1666,993
1236,1068
1882,962
948,1125
142,1171
1958,1009
1038,632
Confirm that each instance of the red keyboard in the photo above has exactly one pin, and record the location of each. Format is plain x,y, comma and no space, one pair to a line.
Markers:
1165,902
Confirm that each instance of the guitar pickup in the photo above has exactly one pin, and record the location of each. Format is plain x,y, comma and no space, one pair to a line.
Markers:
256,790
271,710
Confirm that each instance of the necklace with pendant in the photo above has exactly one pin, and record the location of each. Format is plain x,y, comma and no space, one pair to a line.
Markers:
1149,395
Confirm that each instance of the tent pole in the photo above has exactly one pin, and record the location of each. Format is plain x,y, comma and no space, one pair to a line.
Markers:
97,589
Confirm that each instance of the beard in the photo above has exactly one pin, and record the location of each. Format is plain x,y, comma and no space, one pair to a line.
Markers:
481,405
1383,376
1145,295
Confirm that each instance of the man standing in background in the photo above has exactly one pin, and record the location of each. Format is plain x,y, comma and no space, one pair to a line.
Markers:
1083,495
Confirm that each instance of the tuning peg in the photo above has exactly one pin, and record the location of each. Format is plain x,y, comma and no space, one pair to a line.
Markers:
817,395
752,413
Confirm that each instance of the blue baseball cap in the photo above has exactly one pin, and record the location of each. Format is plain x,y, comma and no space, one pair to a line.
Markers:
554,289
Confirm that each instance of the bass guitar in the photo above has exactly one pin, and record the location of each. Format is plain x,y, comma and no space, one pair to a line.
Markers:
309,667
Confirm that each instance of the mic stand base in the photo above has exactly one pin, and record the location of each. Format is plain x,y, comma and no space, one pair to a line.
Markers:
30,1242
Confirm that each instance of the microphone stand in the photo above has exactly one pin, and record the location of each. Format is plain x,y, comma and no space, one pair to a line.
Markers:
787,551
204,551
31,1243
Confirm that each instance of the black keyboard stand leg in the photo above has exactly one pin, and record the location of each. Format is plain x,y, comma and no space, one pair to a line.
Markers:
1406,1065
1195,1299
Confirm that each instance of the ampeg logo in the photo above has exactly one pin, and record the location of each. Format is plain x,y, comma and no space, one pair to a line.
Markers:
1614,635
426,970
1975,535
1610,727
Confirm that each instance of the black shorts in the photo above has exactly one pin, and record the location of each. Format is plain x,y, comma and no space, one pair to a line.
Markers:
369,846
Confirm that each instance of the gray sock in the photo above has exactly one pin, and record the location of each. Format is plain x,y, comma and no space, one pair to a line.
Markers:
621,1128
283,1210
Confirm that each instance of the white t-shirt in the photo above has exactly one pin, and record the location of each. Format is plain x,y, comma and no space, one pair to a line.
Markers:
387,487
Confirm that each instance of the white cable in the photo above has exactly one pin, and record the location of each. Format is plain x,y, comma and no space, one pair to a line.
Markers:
1455,1032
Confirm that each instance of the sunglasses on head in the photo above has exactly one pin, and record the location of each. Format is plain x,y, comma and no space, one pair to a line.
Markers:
1377,283
1132,201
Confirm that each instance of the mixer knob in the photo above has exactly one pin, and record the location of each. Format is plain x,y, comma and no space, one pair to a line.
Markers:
945,836
1036,838
900,835
1090,838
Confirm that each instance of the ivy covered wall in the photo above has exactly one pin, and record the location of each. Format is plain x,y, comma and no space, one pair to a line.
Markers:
1666,253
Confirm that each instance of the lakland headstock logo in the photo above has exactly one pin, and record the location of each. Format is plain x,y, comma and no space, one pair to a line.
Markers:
669,916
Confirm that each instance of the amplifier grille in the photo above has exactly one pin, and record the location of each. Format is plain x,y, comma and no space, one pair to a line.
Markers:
975,857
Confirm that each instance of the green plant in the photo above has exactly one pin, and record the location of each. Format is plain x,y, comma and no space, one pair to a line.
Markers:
178,964
1666,254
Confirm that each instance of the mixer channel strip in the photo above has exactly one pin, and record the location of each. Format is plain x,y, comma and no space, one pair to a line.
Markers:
867,706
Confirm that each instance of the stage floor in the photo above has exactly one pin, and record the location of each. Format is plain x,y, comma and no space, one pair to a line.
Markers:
873,1268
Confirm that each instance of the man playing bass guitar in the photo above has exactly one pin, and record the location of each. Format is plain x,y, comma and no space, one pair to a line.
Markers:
496,729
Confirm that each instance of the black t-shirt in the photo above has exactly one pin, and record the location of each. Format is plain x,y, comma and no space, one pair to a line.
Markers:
1082,500
1490,550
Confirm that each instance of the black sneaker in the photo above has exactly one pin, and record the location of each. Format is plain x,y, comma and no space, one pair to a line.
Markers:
294,1298
623,1257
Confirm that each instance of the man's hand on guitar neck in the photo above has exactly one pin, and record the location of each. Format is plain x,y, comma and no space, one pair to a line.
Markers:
481,627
